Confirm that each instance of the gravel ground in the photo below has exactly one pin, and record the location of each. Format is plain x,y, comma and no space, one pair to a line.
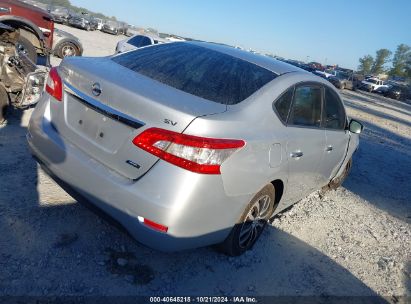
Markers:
354,241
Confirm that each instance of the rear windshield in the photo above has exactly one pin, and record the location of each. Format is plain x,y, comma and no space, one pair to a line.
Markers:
198,71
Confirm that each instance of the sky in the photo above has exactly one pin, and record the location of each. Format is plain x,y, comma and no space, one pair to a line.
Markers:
329,32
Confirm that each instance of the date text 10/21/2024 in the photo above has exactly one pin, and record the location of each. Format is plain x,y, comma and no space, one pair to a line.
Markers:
238,299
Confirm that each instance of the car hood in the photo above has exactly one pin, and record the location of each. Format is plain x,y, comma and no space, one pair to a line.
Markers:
333,78
64,34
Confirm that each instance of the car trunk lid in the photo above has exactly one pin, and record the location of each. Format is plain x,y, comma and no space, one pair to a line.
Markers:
106,105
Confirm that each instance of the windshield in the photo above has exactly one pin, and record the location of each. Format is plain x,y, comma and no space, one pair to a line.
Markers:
60,10
341,75
198,71
372,81
111,23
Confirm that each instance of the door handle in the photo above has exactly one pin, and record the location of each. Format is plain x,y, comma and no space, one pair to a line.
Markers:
297,154
329,148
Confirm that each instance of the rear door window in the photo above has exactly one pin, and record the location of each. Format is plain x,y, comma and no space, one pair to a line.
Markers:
306,109
334,114
139,41
283,104
198,70
145,41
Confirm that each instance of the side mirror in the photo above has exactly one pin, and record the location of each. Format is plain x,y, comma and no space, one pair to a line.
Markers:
355,126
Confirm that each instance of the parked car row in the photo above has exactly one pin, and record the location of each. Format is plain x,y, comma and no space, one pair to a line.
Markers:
347,79
86,22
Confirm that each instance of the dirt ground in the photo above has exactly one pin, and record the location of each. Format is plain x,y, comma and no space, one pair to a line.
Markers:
354,241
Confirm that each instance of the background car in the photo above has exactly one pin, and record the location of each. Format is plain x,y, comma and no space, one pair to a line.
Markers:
66,44
373,84
326,73
36,27
21,81
398,92
343,80
100,23
60,14
138,41
83,22
123,28
111,27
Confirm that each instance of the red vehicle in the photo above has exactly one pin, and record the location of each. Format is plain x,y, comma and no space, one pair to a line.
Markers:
36,26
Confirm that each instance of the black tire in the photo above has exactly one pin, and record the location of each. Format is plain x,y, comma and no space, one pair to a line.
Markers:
232,245
67,49
88,28
27,48
4,103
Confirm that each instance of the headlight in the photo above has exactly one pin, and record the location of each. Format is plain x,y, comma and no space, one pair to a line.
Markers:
33,88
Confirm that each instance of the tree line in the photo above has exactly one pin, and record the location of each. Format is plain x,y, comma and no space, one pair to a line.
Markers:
400,62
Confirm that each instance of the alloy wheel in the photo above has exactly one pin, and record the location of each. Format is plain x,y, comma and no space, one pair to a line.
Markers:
254,221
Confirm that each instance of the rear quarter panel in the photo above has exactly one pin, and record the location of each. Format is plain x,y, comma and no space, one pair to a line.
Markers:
263,159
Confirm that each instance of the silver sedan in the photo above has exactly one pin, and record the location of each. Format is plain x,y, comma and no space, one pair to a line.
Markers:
190,144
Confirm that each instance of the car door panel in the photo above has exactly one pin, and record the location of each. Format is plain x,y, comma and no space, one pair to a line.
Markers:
305,149
337,137
335,151
305,141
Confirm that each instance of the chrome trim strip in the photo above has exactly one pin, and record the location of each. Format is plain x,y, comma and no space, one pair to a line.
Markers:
102,108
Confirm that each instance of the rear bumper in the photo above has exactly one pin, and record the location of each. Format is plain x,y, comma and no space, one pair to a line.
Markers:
110,31
78,25
194,207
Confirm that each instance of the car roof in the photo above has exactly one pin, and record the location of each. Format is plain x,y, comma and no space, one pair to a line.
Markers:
154,37
269,63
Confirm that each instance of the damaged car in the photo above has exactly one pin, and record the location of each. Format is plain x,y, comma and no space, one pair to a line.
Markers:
189,144
21,80
35,25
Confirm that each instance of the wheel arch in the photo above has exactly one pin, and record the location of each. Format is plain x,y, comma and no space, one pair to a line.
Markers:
27,25
279,190
76,44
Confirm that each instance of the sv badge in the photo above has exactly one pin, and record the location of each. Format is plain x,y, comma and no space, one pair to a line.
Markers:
170,122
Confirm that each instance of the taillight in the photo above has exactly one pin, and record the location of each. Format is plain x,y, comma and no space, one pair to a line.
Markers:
196,154
153,225
54,85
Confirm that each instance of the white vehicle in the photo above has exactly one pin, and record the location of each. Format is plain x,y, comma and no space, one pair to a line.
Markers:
326,73
100,23
138,41
174,39
373,84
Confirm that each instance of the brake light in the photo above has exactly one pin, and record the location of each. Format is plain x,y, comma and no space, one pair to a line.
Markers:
155,225
193,153
54,85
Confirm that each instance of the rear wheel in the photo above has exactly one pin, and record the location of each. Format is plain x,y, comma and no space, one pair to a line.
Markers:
67,49
251,224
4,102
